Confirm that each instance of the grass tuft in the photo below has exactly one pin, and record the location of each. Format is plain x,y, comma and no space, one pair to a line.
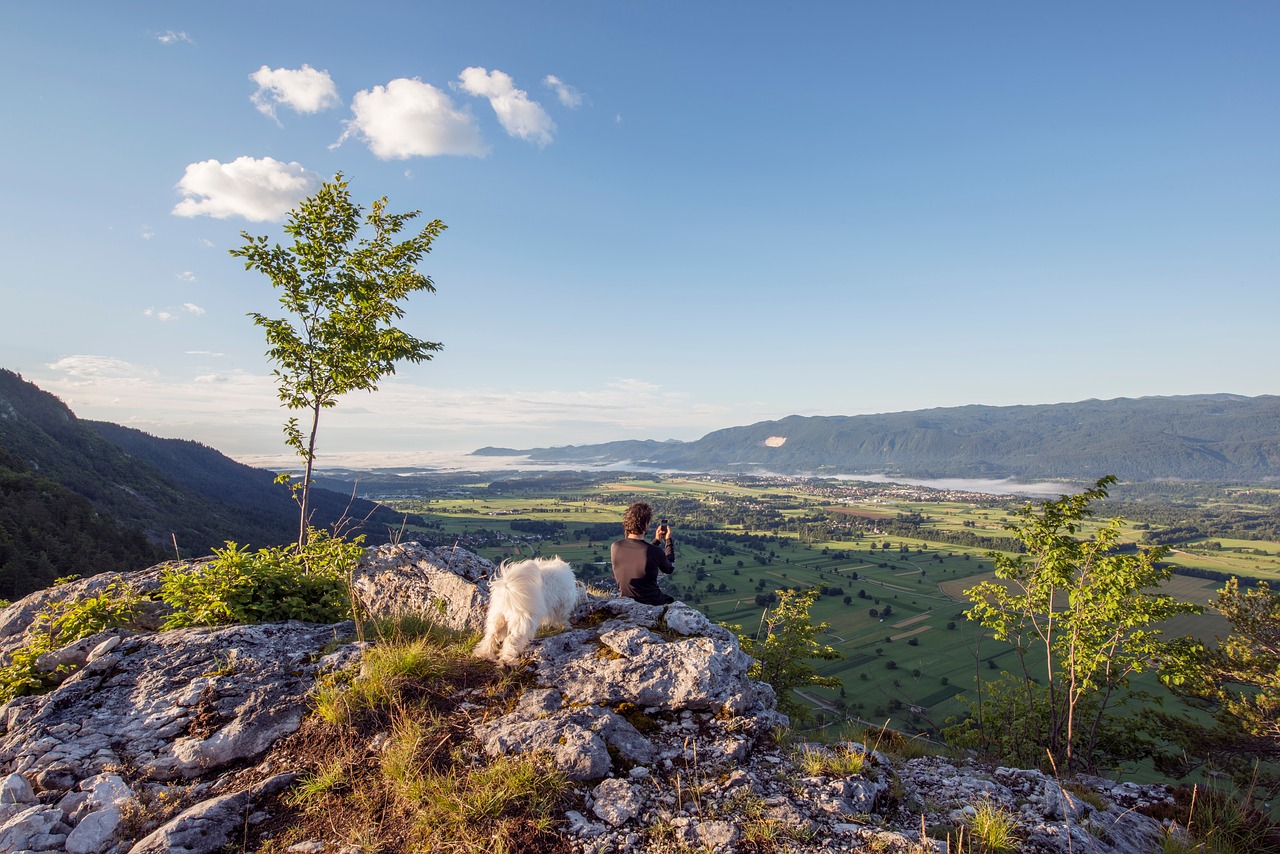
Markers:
845,760
993,828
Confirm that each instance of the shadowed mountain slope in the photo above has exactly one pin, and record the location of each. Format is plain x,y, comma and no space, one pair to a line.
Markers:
123,495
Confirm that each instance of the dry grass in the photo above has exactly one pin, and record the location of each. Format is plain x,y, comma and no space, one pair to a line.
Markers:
389,764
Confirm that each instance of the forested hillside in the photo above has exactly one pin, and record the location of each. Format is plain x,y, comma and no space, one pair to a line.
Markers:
1217,437
82,497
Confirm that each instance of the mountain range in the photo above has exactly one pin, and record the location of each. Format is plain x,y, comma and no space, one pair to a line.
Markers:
81,497
1211,437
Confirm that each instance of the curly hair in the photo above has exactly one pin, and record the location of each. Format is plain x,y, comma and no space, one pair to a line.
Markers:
636,519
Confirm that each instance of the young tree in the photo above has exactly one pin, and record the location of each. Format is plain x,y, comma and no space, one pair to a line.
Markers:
1238,682
341,291
1089,610
783,654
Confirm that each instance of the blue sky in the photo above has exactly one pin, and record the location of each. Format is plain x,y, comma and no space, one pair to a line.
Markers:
664,218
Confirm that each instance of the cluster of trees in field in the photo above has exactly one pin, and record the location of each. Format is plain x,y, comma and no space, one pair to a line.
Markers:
538,527
912,525
1209,522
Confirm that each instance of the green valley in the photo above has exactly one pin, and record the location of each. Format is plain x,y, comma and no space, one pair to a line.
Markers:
891,562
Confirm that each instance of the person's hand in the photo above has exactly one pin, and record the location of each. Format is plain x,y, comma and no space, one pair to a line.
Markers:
664,532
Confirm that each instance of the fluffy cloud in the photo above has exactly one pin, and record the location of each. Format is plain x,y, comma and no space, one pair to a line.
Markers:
569,96
159,314
258,190
518,115
187,276
303,90
192,308
409,118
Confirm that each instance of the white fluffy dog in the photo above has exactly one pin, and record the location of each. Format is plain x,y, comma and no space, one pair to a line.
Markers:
525,596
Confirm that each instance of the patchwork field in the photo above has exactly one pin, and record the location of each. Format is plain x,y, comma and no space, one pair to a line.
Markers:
893,604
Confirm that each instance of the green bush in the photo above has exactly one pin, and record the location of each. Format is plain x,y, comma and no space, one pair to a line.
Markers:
783,655
272,584
237,587
61,623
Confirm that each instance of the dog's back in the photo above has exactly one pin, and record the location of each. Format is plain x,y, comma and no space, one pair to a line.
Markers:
525,595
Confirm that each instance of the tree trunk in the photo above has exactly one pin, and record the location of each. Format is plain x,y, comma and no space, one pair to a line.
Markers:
306,478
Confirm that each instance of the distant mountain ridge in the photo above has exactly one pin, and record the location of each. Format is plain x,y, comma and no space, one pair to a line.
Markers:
80,497
1210,437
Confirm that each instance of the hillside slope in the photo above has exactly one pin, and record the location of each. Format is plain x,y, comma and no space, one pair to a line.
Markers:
111,497
1216,437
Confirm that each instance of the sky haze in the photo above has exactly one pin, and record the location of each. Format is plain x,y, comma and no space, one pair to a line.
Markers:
663,218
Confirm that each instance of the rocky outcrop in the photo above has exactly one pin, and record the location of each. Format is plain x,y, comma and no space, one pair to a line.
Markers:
667,668
172,741
446,584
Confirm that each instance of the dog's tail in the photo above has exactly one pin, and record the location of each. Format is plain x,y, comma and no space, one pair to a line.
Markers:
520,585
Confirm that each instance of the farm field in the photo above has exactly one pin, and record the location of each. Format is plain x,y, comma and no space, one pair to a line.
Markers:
894,602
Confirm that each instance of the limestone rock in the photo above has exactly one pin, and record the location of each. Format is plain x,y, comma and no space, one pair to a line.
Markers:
450,585
595,684
623,661
14,789
36,828
616,801
16,620
651,703
173,705
209,825
577,740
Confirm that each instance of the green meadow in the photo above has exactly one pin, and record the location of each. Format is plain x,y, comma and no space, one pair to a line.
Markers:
893,602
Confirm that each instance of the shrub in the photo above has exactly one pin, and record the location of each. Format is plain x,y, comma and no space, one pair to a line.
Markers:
58,624
284,583
783,654
1092,610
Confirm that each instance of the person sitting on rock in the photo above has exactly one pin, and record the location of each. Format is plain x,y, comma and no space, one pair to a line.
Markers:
636,562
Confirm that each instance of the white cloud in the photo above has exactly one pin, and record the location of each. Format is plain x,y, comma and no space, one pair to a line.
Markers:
146,232
303,90
192,308
211,378
158,314
518,115
409,118
258,190
569,96
187,276
87,367
174,37
205,242
203,353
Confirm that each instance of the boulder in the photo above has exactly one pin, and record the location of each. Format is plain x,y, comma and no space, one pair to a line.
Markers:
446,584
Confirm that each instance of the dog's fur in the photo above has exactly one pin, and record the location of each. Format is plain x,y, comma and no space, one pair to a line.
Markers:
526,595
